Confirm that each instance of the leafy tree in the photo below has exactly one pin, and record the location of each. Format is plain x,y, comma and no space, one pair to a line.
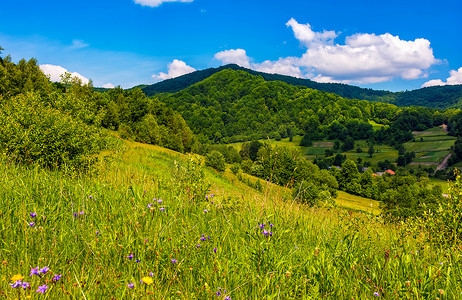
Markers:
215,160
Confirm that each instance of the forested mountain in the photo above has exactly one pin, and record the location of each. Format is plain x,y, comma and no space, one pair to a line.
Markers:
232,106
440,97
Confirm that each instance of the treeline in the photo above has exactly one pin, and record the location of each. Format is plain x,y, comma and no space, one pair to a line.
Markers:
402,195
57,124
235,106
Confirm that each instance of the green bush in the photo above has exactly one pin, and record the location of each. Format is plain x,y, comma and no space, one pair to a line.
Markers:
33,132
215,160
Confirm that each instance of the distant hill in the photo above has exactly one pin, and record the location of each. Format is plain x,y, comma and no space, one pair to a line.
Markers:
440,97
347,91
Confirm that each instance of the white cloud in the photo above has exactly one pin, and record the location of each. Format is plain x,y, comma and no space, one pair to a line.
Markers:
78,44
234,56
284,66
156,3
108,86
455,78
363,58
175,68
56,71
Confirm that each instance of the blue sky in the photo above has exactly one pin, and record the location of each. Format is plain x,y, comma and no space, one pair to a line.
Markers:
391,45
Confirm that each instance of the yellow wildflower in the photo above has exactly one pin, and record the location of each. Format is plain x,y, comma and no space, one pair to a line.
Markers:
147,280
17,277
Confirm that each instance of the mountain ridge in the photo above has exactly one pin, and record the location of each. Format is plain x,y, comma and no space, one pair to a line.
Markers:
441,97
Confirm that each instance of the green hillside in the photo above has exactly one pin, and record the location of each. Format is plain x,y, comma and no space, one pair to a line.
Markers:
440,97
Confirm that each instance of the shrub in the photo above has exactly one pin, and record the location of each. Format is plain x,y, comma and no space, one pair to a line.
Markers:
215,160
33,132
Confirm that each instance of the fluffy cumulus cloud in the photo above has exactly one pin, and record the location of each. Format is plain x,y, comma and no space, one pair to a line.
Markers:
175,68
155,3
108,86
455,78
284,66
55,72
363,58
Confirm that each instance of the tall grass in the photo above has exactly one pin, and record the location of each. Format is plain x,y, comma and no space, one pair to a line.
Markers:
110,230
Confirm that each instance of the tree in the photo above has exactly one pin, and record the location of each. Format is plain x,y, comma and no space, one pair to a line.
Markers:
348,144
370,151
215,160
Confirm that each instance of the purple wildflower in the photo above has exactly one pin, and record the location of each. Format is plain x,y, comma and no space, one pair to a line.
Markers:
271,225
265,232
131,285
149,205
261,226
174,261
33,214
16,284
81,213
42,289
198,245
76,215
215,250
159,201
130,256
44,270
56,277
376,294
203,238
35,272
205,211
212,195
227,298
162,209
31,224
25,285
97,232
151,274
138,260
207,197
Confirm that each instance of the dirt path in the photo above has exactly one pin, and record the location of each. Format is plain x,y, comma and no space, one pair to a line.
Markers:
443,164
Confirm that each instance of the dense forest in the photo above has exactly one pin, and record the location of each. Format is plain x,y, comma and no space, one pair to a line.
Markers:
440,97
232,106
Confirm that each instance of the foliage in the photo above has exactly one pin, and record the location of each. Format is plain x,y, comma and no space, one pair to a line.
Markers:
33,132
215,160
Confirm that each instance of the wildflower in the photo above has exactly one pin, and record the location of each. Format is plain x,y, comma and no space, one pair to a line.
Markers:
81,213
198,245
42,289
97,232
56,277
441,263
151,274
17,277
147,280
149,205
31,224
261,226
75,214
130,256
227,298
33,214
174,261
25,285
162,209
35,272
215,250
271,225
131,285
44,270
138,260
159,201
205,211
16,284
265,232
376,294
203,238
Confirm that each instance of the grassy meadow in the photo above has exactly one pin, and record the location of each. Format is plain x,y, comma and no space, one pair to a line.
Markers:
149,223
